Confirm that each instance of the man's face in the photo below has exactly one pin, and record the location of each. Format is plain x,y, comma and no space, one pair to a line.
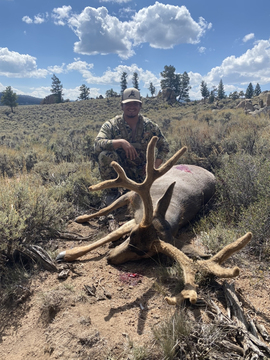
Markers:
131,109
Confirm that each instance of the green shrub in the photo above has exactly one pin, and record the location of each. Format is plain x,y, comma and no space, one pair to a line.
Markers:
28,213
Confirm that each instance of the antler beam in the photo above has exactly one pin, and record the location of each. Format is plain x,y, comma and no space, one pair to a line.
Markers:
208,267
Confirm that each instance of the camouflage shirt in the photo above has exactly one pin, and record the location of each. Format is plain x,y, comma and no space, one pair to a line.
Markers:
117,128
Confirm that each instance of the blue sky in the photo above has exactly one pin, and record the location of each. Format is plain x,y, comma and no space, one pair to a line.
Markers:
93,42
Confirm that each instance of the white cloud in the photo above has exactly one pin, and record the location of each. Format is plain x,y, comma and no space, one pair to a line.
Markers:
27,20
201,49
112,77
56,69
61,15
252,66
248,37
100,33
13,64
164,26
38,19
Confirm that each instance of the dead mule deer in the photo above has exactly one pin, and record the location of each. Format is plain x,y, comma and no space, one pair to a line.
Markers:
152,230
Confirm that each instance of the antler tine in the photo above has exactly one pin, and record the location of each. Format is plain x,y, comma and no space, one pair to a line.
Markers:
172,161
151,172
232,248
121,181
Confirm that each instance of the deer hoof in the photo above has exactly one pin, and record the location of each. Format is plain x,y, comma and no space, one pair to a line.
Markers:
61,257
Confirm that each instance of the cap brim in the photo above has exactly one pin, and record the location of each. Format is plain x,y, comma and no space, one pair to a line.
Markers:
131,100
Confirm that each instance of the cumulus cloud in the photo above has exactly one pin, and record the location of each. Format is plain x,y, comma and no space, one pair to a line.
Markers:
248,37
164,26
111,77
100,33
61,15
27,20
161,26
38,19
13,64
253,65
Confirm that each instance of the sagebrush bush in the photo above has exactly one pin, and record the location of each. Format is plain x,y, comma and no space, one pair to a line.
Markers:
70,182
28,212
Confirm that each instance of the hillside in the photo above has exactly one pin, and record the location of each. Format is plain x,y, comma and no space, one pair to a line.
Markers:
26,100
89,309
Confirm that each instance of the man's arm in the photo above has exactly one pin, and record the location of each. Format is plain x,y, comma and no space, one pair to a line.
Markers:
129,149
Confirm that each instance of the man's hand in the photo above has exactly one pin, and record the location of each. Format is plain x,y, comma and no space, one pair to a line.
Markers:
130,150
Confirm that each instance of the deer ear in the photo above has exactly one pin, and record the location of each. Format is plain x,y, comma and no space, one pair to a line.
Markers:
164,202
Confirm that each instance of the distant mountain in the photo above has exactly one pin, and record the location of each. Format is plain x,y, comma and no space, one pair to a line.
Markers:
26,100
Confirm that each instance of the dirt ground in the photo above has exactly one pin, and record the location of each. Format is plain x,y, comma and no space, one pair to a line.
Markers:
101,311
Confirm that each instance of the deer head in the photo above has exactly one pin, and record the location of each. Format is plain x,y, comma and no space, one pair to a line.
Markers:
153,233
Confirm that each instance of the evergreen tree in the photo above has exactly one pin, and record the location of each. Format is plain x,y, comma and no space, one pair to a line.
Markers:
123,82
249,92
111,93
57,89
257,90
135,81
241,94
170,79
84,92
220,91
152,89
177,82
184,87
204,91
234,95
9,98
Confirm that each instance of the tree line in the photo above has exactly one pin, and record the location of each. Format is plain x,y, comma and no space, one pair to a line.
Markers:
219,93
179,83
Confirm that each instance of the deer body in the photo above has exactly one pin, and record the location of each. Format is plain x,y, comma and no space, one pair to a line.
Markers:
194,186
169,197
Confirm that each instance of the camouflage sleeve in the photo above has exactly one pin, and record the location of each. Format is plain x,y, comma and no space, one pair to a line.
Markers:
104,138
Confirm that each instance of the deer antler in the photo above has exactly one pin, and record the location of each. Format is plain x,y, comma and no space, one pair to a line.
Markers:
208,267
142,189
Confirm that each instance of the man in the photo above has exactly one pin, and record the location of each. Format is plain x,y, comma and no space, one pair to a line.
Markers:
124,139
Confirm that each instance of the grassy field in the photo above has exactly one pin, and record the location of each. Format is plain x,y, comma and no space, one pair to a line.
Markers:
46,167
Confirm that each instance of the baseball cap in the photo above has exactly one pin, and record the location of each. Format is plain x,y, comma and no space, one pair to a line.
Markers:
131,94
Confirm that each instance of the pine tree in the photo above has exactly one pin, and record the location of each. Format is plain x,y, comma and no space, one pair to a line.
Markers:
152,89
249,92
257,90
204,91
84,92
234,95
57,89
9,98
111,93
123,82
135,81
169,78
184,86
179,83
221,92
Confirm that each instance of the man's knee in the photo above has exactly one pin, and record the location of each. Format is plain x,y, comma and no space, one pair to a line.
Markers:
104,160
